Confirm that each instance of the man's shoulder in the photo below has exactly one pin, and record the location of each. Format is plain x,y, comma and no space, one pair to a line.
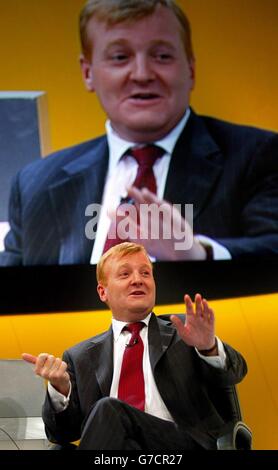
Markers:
165,317
231,130
82,347
57,160
236,140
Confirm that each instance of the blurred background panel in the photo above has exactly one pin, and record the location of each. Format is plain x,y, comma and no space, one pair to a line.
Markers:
24,136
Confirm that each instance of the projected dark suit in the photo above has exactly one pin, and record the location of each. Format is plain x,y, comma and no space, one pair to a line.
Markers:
228,172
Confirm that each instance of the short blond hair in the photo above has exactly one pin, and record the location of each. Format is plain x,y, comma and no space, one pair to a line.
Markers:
117,251
112,12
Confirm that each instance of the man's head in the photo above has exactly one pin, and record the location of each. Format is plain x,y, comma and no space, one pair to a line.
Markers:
125,282
138,58
113,12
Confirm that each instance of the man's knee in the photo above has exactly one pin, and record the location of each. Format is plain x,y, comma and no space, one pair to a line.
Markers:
108,404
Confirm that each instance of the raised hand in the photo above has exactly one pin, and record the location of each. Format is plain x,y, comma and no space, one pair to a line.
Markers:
52,369
198,329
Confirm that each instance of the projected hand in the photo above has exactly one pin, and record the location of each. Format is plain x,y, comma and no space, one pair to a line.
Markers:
164,233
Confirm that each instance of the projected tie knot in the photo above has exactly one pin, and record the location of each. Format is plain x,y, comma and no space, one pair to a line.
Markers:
146,158
131,384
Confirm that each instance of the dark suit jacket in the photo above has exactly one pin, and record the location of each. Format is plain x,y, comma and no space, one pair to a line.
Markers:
182,378
229,173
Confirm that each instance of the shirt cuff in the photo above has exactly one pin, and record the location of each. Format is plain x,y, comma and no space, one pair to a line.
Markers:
216,361
218,251
58,400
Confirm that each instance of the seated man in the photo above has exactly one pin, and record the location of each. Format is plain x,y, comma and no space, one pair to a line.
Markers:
143,383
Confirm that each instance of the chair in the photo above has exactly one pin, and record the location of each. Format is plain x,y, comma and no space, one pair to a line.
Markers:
21,398
236,434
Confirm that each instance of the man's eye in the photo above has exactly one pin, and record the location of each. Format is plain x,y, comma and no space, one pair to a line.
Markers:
163,57
119,58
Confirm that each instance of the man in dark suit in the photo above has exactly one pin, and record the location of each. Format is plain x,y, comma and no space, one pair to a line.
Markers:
138,58
167,405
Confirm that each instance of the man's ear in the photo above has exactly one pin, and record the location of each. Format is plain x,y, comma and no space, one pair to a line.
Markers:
192,68
102,292
87,73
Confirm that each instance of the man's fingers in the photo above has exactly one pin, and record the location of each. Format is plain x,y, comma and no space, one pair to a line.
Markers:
144,196
47,366
199,305
29,358
177,322
136,194
59,366
56,364
208,311
151,198
58,369
180,327
189,305
41,359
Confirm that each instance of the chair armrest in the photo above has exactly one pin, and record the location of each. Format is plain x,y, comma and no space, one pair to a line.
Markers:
68,446
239,437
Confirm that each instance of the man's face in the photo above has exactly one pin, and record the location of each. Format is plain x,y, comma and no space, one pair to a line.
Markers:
129,290
141,74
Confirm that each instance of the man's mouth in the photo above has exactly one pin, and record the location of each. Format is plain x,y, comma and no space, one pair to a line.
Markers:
137,292
144,98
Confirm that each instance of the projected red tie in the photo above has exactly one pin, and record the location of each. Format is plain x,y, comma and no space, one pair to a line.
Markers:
131,384
146,158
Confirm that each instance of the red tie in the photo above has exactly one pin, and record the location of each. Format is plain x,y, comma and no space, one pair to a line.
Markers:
131,384
145,157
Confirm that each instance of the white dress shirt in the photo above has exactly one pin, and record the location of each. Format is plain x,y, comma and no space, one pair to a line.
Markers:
122,173
154,404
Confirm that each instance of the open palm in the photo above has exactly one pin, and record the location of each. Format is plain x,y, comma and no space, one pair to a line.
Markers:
198,329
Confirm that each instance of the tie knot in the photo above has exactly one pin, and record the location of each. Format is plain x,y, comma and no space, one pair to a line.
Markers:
146,156
134,328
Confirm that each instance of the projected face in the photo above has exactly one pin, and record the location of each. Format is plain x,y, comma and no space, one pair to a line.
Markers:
141,74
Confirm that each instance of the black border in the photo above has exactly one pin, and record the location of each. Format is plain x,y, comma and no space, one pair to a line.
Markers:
36,289
86,459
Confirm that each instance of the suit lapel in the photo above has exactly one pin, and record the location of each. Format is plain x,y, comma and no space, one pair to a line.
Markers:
160,337
101,357
81,185
195,166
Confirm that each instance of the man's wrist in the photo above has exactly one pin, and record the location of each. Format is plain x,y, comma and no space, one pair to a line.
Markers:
213,351
208,250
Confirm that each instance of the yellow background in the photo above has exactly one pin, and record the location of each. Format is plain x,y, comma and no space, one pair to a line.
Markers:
235,43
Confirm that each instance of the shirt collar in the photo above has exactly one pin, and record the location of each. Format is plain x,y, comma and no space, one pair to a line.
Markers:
118,146
117,326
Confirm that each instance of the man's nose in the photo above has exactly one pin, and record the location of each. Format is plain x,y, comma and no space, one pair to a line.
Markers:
142,70
136,278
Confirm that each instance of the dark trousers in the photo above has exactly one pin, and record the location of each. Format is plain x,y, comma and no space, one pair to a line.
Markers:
114,425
